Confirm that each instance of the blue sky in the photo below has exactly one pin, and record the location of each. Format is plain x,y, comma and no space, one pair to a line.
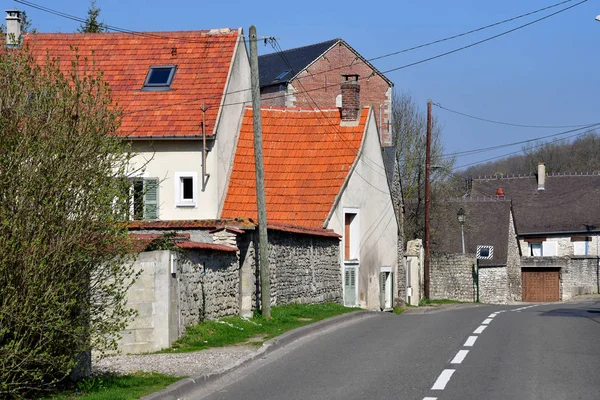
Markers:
544,74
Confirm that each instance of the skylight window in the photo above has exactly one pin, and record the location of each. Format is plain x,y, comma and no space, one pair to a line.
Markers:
282,75
160,78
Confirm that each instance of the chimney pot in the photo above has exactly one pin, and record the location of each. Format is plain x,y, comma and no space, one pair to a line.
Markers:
13,28
500,193
541,176
350,89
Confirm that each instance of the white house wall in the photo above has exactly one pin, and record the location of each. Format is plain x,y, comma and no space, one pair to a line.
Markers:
236,98
367,190
162,160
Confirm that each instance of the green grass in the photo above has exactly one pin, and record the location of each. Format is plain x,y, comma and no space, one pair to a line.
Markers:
235,330
116,387
399,310
437,302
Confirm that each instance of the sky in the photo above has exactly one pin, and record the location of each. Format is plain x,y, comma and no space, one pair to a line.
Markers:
544,74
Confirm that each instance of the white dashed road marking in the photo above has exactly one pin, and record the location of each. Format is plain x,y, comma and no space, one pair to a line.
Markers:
470,341
480,329
487,321
493,315
443,379
429,398
460,356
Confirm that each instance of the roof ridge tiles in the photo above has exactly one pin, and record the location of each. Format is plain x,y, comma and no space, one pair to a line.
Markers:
333,41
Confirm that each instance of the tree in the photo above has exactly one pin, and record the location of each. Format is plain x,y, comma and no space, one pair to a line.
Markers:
91,24
410,135
64,260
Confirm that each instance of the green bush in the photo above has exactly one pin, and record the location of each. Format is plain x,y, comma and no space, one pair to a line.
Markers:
63,251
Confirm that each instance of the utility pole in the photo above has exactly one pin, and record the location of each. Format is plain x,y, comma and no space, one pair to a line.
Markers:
263,244
427,197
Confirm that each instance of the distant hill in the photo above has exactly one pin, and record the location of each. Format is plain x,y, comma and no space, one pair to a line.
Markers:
579,155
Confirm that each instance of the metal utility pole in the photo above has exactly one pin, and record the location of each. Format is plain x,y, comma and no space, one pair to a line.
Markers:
263,244
427,197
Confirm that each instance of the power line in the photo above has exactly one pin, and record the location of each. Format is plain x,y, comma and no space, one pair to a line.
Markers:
518,151
484,40
112,27
484,149
509,123
406,50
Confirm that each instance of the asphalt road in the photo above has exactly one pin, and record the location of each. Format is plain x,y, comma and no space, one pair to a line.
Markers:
549,351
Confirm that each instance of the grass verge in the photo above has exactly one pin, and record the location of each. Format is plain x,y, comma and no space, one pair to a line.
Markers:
436,302
116,387
235,330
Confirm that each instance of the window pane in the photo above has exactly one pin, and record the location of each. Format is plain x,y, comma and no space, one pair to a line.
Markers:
536,249
187,184
159,76
138,199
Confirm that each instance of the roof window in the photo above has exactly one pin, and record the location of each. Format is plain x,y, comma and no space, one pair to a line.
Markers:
282,75
160,77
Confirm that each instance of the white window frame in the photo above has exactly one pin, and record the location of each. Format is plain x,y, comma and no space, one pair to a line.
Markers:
179,200
354,236
583,247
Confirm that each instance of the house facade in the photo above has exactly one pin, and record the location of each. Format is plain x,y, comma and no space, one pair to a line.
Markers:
182,95
308,77
557,219
324,169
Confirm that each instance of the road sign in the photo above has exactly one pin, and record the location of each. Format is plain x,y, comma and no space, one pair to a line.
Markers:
485,252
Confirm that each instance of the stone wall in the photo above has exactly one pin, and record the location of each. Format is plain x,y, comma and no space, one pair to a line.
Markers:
208,286
150,296
513,264
204,286
303,268
493,285
564,245
451,277
580,275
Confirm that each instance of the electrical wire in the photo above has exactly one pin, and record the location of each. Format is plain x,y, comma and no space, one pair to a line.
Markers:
518,151
485,149
509,123
485,40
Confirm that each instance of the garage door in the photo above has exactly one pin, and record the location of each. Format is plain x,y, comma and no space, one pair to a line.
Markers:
540,284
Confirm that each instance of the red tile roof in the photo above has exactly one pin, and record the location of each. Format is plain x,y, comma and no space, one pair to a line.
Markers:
206,246
307,157
202,58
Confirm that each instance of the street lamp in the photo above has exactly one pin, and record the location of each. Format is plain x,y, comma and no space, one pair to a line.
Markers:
461,220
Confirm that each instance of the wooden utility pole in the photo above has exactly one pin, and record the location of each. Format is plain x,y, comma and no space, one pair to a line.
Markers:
427,197
263,244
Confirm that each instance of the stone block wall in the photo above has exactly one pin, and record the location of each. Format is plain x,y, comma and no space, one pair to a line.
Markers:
513,264
451,276
150,296
493,285
580,275
303,268
208,286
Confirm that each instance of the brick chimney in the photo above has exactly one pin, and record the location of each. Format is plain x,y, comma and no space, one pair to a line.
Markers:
350,97
13,28
499,194
541,176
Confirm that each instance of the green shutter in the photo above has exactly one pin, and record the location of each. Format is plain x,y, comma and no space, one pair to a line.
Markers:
382,290
150,198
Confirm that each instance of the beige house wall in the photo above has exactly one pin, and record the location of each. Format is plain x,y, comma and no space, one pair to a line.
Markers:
367,191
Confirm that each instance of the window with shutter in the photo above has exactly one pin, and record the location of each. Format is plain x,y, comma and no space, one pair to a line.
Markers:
150,198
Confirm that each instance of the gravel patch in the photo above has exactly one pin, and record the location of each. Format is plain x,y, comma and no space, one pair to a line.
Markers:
179,364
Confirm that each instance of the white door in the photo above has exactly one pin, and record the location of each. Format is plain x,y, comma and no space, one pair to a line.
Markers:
350,286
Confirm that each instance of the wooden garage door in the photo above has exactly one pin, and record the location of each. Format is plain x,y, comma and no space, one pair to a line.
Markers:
540,284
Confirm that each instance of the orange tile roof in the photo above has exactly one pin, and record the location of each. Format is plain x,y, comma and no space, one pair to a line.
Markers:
203,60
307,157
